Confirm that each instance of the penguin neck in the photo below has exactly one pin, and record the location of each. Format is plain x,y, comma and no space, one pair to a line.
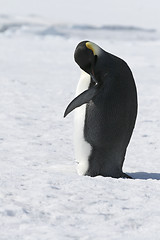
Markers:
102,66
100,76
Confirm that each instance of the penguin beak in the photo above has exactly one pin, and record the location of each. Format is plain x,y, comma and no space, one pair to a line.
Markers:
91,46
93,78
92,74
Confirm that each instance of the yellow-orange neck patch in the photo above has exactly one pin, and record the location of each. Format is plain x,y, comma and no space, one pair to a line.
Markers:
90,46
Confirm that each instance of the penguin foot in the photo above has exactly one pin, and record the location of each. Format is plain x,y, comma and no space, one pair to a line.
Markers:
119,175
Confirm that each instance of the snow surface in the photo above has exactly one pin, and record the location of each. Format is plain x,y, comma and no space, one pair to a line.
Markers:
41,195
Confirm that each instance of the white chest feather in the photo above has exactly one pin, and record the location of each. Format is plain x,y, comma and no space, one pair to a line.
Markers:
82,148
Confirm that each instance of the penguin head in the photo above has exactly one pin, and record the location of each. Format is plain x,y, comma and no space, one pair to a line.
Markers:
86,55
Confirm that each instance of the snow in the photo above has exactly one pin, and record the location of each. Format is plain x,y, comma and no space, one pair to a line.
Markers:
41,195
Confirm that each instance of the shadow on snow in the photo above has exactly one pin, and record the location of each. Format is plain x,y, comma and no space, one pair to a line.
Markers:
145,175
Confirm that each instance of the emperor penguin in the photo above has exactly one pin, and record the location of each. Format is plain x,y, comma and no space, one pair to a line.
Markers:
105,111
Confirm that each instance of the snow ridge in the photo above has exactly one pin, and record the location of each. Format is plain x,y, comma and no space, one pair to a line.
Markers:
38,26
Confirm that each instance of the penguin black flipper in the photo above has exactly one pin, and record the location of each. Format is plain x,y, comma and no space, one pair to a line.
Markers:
81,99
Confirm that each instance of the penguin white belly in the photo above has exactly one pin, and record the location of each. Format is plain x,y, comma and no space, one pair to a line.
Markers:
82,148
